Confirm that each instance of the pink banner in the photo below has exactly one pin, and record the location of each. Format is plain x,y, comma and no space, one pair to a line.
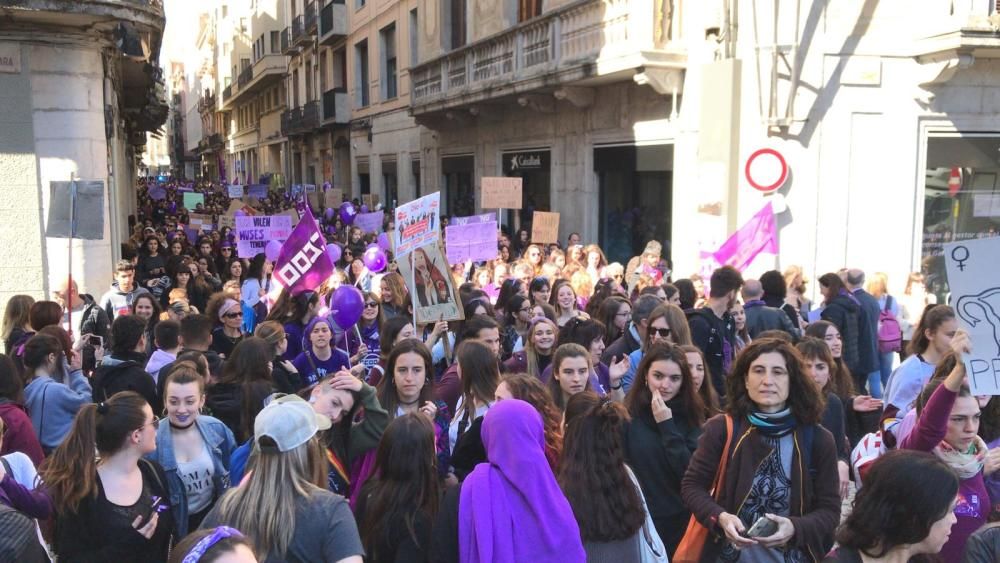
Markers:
758,235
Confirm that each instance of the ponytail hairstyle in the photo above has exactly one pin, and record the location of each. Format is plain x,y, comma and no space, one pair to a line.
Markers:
272,332
933,317
36,353
480,374
70,473
530,390
592,471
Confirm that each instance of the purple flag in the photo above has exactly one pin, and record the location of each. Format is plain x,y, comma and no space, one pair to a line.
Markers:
303,263
757,235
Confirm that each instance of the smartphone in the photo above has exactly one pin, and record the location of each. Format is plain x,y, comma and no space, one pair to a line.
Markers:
762,528
95,341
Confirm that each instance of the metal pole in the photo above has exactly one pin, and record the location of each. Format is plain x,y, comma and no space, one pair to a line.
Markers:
69,252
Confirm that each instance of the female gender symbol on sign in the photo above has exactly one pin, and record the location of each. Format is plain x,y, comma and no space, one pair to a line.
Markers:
960,254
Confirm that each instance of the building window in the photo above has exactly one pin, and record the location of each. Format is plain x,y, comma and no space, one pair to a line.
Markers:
359,4
414,58
361,63
387,37
456,23
390,183
415,170
295,88
527,9
309,80
275,42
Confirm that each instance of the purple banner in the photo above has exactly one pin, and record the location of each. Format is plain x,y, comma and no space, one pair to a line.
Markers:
303,263
471,240
757,235
253,233
370,222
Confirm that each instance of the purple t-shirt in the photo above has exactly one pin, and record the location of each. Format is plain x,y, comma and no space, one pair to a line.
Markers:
313,369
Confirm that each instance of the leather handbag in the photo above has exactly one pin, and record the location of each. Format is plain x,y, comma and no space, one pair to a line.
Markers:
696,535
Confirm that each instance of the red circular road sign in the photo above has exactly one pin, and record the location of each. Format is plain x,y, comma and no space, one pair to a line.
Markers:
766,170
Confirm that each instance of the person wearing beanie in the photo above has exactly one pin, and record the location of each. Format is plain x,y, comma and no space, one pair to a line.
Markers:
648,263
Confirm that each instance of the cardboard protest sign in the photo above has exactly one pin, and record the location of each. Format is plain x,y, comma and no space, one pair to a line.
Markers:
428,275
315,198
502,193
253,233
471,238
333,197
235,191
544,227
227,221
293,214
201,222
370,222
87,214
417,224
192,199
371,200
973,267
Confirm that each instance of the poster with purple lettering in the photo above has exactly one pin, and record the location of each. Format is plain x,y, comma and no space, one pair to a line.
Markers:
303,263
253,233
471,238
370,222
418,223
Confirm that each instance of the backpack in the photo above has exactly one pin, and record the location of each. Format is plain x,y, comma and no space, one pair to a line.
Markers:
18,534
890,334
870,448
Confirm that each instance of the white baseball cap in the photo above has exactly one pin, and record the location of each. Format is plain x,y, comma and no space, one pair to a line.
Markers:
290,421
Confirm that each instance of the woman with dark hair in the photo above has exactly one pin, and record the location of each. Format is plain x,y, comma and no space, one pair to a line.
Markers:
361,342
780,464
775,292
509,288
245,382
510,509
667,416
283,372
18,434
672,294
817,362
210,274
408,388
234,271
185,276
394,331
294,312
517,321
51,404
146,307
615,313
397,506
589,334
666,323
571,373
214,545
478,371
111,506
16,322
947,426
43,314
540,290
152,267
905,511
699,375
601,489
841,309
319,357
687,293
257,283
604,288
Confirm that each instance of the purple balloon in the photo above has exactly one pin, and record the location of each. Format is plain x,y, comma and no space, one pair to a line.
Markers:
348,213
371,246
333,251
272,250
347,305
374,259
329,213
383,241
364,208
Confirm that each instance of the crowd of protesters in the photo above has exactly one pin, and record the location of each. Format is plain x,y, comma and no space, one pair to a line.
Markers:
582,411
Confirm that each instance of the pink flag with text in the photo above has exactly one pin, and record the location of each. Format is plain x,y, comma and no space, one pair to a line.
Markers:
758,235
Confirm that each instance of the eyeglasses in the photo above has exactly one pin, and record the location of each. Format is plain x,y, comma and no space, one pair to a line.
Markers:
155,422
371,305
661,332
233,315
524,310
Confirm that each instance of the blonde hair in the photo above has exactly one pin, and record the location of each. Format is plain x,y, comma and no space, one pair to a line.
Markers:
581,283
878,285
530,353
263,508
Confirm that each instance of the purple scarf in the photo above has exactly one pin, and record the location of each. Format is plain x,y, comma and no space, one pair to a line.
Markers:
511,509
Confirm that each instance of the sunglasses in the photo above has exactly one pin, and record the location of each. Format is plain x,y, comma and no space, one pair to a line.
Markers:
233,315
371,304
661,332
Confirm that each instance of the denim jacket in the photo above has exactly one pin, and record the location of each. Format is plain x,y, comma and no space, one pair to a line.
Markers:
220,442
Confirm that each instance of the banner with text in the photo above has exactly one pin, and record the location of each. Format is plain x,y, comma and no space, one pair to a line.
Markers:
253,233
370,222
544,227
471,238
502,193
417,224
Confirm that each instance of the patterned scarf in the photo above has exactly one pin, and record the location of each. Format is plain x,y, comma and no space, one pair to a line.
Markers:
774,424
968,463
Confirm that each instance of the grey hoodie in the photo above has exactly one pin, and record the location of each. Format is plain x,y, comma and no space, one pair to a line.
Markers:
52,406
116,302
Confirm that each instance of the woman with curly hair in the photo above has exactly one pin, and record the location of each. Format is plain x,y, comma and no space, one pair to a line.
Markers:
528,389
905,512
603,492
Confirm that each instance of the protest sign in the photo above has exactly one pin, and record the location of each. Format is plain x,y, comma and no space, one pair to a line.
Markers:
253,233
315,198
235,191
76,210
417,224
371,200
333,197
200,222
370,222
303,263
293,214
227,221
756,236
157,192
471,240
972,267
481,218
296,190
310,188
502,193
427,273
258,191
192,199
544,227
